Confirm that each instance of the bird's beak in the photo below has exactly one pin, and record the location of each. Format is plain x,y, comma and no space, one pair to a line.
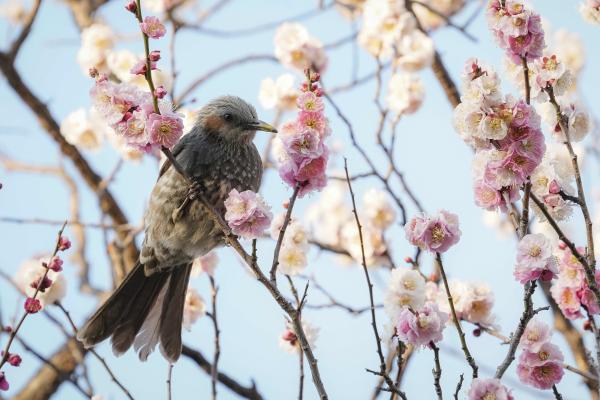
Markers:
262,126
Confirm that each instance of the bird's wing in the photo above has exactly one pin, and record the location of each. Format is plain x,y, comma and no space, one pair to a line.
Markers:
194,153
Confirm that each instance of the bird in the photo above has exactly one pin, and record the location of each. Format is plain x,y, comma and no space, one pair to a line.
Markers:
219,155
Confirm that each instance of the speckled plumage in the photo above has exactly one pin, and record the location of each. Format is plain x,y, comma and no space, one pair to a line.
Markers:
147,308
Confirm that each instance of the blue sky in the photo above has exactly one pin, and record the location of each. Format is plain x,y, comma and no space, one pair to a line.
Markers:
436,163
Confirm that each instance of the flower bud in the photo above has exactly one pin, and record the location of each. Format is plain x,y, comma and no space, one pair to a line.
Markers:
160,92
64,243
32,306
154,55
56,264
93,72
476,332
131,6
14,360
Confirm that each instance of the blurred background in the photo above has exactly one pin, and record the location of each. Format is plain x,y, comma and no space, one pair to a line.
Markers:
231,45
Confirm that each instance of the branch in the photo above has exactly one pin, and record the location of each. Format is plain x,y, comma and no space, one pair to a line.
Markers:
250,393
437,371
217,355
461,334
382,365
16,45
286,222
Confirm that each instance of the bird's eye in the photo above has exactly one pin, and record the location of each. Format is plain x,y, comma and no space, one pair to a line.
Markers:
227,117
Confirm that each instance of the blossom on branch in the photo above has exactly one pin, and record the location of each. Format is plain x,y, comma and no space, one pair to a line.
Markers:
535,259
153,27
488,389
423,326
247,214
296,48
435,234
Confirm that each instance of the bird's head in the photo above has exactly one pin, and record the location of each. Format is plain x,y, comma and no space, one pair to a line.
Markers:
232,119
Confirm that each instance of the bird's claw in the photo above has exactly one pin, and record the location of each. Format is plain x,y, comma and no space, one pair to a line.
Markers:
194,190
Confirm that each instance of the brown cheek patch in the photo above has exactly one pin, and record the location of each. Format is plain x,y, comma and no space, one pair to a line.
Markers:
213,124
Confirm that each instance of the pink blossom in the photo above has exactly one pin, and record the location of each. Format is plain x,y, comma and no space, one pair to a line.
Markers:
314,120
436,234
154,55
310,102
164,130
41,284
487,196
488,388
64,243
543,368
4,386
14,360
308,172
567,300
153,27
133,128
55,264
247,214
535,335
422,327
534,259
304,144
131,6
32,305
160,92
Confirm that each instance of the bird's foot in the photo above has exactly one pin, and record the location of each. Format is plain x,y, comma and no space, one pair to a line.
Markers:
194,191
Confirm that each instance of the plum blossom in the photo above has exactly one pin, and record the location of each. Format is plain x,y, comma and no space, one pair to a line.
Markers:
294,248
296,48
435,234
79,131
14,360
97,41
327,216
590,11
473,301
406,288
288,340
405,93
571,291
433,20
415,51
302,154
579,123
488,389
247,214
421,327
153,27
379,212
4,385
32,305
547,183
373,243
279,93
535,335
164,130
205,264
517,29
535,259
30,275
542,368
193,308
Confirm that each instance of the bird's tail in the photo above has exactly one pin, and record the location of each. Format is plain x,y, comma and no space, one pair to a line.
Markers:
143,311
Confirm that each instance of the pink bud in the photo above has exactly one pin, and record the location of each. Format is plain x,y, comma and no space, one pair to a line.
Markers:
318,92
434,277
160,92
41,284
139,68
315,77
286,203
554,187
101,78
93,72
7,329
477,332
289,336
547,276
154,55
408,260
56,264
64,243
14,360
562,245
131,6
32,306
4,386
304,87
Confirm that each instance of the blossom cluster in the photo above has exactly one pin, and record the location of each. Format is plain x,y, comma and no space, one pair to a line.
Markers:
473,301
488,389
433,233
505,134
541,362
296,48
279,93
302,154
130,112
417,321
571,290
42,283
590,11
517,29
247,214
390,30
330,221
535,259
294,248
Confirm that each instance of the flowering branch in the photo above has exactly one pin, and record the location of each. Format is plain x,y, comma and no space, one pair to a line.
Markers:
286,222
32,304
461,334
382,366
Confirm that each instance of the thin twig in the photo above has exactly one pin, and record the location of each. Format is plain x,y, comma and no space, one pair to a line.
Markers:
169,381
437,371
382,365
461,334
286,222
213,317
458,386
